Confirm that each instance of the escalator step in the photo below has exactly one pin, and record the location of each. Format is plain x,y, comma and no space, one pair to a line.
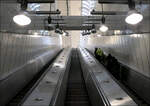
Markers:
77,99
76,90
78,103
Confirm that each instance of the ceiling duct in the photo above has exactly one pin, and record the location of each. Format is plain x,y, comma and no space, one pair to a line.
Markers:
122,1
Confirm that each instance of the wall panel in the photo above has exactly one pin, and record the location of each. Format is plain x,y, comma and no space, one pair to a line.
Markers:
131,50
17,50
22,57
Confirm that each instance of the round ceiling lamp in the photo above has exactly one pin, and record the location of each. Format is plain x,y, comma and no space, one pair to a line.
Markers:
133,17
22,19
103,28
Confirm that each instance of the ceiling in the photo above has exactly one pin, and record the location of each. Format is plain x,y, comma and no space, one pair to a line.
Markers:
79,16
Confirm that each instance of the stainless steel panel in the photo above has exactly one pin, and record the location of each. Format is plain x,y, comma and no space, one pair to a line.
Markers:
17,50
21,57
131,50
50,83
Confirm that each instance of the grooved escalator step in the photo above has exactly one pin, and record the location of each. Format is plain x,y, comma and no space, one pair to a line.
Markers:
77,93
76,90
77,103
76,87
77,99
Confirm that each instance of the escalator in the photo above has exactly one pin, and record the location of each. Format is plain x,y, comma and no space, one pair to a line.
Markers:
76,94
76,90
23,94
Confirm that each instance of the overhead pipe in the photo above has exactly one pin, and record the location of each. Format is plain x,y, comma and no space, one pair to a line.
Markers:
45,12
93,12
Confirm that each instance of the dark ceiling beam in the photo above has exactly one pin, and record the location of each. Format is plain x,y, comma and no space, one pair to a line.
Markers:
96,19
88,27
91,23
122,1
29,1
44,12
57,19
107,13
38,1
64,27
58,23
113,1
76,27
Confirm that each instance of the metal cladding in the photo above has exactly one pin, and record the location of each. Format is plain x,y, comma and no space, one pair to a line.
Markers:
51,90
21,57
131,50
103,90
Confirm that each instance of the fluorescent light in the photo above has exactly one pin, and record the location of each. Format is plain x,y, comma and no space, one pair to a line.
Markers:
134,17
103,28
22,19
64,34
35,33
99,35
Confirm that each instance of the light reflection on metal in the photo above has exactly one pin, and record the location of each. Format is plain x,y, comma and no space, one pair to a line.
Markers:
57,64
121,101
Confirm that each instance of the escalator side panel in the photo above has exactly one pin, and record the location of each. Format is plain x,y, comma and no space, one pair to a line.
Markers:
58,100
95,97
100,84
51,87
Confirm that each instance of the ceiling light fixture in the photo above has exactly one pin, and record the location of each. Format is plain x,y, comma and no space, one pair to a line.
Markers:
103,27
64,33
93,30
133,17
49,19
58,29
22,19
35,33
99,35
